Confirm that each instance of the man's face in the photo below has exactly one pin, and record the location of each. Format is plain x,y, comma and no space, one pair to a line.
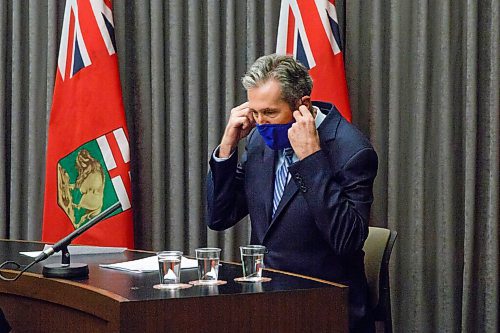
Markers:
267,105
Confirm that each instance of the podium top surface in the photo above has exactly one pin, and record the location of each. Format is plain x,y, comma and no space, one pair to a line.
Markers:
126,286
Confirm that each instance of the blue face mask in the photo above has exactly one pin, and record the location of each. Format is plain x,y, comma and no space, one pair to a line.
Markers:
275,135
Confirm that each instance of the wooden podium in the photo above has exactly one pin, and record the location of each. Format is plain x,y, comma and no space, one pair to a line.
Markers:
116,301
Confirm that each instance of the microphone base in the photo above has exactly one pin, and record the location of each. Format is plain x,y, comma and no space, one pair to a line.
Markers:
73,271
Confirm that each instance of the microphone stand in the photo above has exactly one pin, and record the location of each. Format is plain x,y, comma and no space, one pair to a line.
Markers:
66,269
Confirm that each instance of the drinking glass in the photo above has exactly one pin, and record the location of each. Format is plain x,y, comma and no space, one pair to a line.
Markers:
208,264
170,268
252,261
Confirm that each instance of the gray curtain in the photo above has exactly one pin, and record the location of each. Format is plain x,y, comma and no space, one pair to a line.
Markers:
424,79
424,86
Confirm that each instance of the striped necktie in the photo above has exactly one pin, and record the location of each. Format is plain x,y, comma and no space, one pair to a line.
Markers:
281,178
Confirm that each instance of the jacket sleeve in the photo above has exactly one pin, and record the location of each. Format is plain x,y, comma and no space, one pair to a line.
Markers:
226,200
339,201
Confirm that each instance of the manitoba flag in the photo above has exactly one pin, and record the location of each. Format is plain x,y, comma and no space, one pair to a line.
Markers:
88,159
309,30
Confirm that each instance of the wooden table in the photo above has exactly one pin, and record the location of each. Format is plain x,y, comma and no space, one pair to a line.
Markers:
117,301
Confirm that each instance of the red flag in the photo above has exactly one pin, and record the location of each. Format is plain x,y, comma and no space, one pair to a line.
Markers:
88,159
309,30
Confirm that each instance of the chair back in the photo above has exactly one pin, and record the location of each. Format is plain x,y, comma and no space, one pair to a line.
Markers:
378,248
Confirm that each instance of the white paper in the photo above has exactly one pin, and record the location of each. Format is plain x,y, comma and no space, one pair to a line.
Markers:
79,250
145,265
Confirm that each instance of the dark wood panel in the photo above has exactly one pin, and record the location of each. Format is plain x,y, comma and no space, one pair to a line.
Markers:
298,311
32,315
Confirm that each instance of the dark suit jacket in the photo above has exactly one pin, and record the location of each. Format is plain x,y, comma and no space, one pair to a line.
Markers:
321,222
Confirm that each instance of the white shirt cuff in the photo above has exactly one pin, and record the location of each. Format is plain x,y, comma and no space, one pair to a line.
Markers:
220,159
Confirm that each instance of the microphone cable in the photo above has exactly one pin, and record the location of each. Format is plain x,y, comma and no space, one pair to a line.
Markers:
4,278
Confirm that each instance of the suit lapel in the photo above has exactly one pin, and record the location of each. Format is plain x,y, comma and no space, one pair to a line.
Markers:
268,160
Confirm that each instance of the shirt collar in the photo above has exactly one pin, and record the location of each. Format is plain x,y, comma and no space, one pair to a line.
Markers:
320,116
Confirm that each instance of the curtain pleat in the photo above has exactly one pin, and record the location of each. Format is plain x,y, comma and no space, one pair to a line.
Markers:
158,42
175,123
36,113
18,121
4,124
195,119
481,271
423,79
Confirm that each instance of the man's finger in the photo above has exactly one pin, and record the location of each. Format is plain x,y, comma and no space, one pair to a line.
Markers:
246,123
297,115
250,116
239,108
245,113
242,107
304,111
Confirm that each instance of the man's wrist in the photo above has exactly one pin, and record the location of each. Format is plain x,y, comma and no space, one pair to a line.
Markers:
225,150
308,151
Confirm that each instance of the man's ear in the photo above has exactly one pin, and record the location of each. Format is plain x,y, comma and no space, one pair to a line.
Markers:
306,100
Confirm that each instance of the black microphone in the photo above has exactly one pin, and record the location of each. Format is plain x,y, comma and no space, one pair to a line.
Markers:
67,270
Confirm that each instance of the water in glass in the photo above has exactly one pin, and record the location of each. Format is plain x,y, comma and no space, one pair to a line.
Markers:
252,265
208,270
169,270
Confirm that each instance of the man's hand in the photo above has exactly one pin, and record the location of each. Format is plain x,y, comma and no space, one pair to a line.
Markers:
303,134
240,123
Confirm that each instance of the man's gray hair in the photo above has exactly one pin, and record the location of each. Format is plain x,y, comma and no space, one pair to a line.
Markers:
293,76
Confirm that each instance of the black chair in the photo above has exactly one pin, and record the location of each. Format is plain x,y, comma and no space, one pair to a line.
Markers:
378,248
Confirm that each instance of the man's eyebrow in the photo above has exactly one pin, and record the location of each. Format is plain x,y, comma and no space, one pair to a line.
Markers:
264,110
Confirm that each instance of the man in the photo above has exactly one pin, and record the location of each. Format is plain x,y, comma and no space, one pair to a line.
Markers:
316,225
